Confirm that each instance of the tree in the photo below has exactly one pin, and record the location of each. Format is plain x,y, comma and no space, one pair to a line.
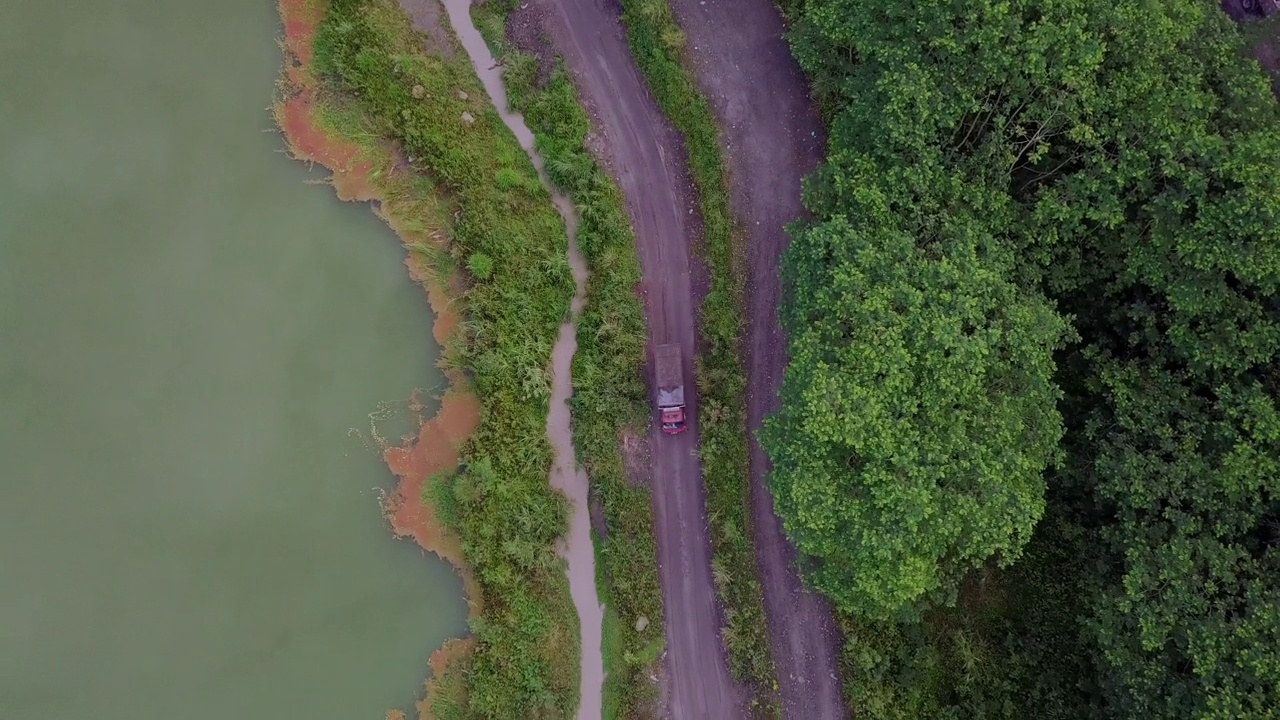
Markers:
918,414
1192,627
1125,161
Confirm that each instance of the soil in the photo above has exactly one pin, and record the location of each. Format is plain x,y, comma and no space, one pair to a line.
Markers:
425,16
524,31
637,457
1266,36
772,137
598,524
433,451
451,659
646,157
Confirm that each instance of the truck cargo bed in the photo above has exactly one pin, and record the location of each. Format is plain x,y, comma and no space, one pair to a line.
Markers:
669,375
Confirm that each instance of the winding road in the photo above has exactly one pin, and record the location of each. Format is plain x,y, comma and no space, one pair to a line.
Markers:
773,139
646,157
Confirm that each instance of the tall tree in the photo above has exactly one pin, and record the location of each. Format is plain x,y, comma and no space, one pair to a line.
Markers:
1124,160
918,413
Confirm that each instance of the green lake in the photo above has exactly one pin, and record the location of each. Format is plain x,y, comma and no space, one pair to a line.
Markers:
193,341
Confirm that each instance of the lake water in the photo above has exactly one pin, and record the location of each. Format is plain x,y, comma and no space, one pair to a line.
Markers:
189,334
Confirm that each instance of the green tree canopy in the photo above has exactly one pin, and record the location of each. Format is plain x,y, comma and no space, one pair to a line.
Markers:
918,417
1124,160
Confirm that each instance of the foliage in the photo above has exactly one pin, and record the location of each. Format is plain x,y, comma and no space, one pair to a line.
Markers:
1124,160
657,45
608,385
918,414
525,658
1010,648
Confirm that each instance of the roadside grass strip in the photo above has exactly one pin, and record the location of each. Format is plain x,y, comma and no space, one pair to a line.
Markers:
609,395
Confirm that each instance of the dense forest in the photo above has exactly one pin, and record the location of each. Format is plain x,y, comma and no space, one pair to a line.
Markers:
1030,436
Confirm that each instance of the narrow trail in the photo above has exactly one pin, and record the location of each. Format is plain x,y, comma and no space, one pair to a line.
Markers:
772,138
576,547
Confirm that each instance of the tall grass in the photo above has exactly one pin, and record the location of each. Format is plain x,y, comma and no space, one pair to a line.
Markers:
608,385
657,44
505,230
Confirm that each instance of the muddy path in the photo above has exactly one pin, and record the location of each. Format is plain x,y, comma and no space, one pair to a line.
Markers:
772,138
646,157
576,548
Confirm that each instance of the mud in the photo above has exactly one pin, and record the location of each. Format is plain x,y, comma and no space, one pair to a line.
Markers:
566,477
364,174
426,17
1264,36
524,31
352,176
433,451
637,458
450,660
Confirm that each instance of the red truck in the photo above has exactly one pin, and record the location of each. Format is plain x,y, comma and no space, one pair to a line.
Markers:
670,377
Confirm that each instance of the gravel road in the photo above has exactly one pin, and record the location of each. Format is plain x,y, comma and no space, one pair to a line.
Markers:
773,139
646,157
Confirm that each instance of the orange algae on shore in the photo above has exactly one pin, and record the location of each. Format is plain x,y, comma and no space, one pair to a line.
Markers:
434,451
362,173
296,113
447,694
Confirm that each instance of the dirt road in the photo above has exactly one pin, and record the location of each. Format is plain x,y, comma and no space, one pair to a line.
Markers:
646,157
774,138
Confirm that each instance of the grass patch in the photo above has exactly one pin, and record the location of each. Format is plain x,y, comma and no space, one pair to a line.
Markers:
447,697
657,44
608,385
509,244
610,641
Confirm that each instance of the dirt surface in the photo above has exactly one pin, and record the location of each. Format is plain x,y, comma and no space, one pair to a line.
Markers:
637,457
773,138
646,157
427,17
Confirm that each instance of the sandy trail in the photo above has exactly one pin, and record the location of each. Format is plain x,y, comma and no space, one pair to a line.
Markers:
576,547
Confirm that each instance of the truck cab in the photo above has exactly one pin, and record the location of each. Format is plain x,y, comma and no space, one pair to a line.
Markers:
673,420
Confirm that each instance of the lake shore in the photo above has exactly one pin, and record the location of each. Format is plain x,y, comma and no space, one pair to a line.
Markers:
372,171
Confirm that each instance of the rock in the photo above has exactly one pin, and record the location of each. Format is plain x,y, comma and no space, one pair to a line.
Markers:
462,95
419,92
642,622
468,118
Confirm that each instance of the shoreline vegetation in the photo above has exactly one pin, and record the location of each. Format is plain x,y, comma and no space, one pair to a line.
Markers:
364,85
366,169
417,133
483,234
